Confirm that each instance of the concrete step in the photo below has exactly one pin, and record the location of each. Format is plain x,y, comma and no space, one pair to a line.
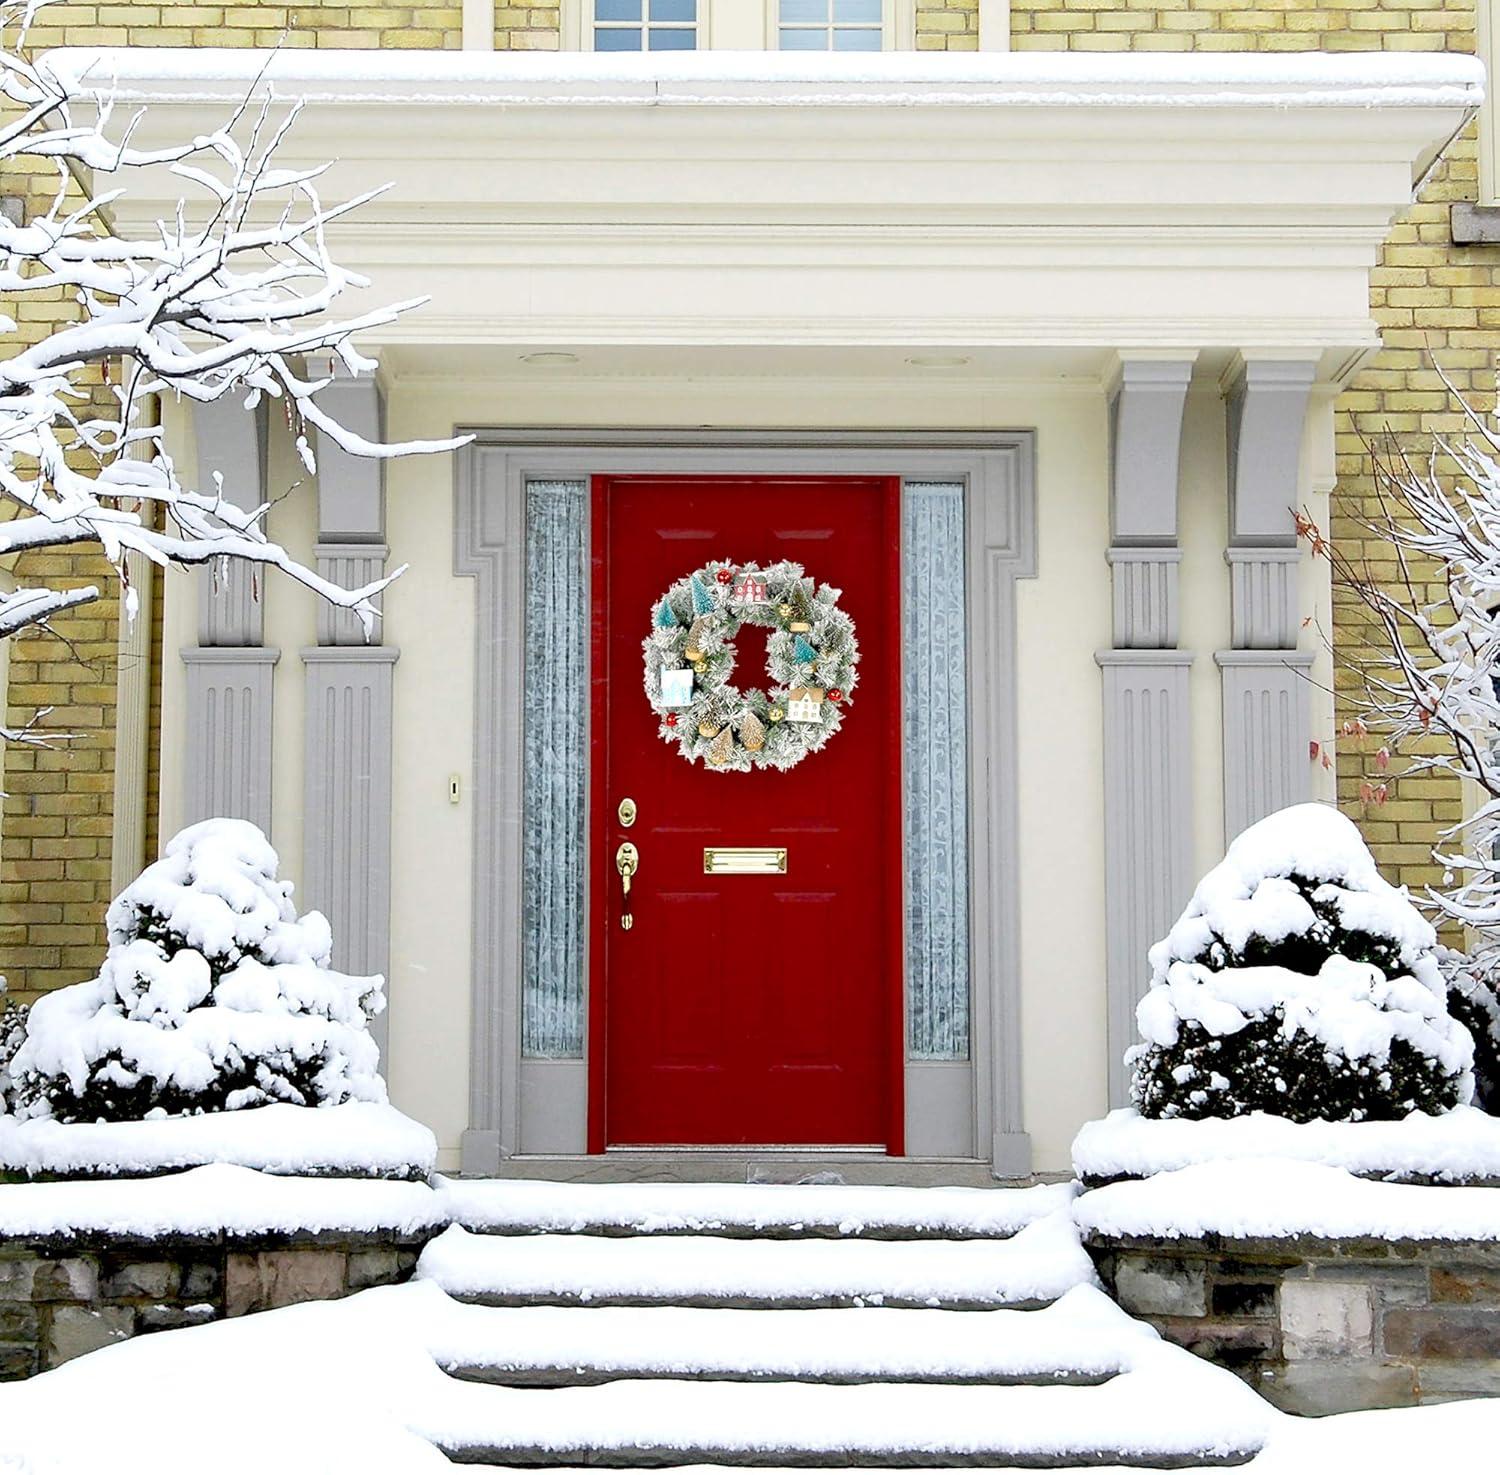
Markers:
1083,1339
1031,1269
1137,1420
758,1210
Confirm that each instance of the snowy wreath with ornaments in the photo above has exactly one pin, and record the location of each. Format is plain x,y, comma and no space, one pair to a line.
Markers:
811,659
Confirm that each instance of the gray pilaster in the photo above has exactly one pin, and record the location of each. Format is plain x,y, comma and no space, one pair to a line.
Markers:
1148,812
1267,711
228,763
346,856
1148,824
232,447
347,803
1266,703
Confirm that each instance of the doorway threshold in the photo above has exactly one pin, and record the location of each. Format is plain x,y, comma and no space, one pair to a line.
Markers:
754,1165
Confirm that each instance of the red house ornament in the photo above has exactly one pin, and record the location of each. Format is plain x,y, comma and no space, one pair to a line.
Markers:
750,588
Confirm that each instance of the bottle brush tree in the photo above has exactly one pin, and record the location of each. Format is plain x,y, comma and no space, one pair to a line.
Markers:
1299,982
214,996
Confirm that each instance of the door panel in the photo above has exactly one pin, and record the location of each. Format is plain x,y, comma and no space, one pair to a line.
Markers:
746,1009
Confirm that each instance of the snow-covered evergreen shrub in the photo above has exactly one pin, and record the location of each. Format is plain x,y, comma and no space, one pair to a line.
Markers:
214,996
1298,982
12,1031
1474,1000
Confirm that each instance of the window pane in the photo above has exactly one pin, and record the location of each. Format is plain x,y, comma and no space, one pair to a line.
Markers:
803,12
937,759
622,38
856,12
617,10
868,40
813,39
678,10
671,40
554,761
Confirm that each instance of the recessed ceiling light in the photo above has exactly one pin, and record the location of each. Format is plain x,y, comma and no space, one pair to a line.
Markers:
937,361
549,360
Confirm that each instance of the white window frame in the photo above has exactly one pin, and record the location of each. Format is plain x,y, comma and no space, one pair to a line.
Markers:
1487,20
743,25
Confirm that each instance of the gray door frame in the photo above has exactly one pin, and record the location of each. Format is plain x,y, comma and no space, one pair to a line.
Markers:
961,1111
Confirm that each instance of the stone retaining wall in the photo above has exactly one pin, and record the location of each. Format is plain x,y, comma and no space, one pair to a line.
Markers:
1322,1326
60,1299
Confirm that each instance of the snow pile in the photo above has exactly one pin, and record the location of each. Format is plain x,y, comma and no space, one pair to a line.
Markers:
1271,1198
358,1139
215,996
216,1200
1460,1146
1299,982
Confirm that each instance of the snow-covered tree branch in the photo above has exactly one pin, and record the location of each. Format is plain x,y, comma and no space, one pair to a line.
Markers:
1428,659
231,299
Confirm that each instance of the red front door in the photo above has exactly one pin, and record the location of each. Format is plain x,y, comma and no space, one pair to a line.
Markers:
754,1009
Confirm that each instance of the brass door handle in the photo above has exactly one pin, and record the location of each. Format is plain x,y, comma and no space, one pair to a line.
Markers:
627,863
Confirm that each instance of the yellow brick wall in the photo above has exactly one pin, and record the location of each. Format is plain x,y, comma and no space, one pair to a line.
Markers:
947,25
1425,292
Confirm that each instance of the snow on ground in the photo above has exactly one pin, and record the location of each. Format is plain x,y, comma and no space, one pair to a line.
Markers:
1273,1198
677,1208
358,1138
214,1199
1038,1264
1460,1145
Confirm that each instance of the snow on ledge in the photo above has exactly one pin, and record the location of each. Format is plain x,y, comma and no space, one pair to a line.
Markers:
748,78
214,1200
1461,1145
358,1139
1273,1198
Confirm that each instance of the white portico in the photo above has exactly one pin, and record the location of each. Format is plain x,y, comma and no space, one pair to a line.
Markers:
1124,290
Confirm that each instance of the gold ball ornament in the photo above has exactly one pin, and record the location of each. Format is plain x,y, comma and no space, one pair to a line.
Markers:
707,729
784,610
775,714
701,667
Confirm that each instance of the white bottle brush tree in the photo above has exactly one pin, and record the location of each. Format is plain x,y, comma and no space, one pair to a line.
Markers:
214,996
1427,679
228,298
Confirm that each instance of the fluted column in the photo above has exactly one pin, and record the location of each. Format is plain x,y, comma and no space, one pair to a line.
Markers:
346,862
227,770
1266,699
1147,768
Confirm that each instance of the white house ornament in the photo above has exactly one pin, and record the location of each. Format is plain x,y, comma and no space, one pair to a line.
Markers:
811,650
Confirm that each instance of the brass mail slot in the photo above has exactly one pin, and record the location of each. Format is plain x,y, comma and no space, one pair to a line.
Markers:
744,860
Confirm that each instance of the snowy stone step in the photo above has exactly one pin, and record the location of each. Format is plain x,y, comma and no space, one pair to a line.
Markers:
1082,1339
761,1210
1032,1268
1151,1417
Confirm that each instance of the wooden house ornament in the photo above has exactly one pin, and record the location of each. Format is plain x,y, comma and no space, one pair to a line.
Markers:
750,588
803,703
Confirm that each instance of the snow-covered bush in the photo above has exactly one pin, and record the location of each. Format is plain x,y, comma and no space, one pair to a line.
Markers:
1474,1000
214,996
12,1031
1298,982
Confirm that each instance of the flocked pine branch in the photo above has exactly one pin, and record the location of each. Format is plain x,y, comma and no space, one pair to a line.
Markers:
1429,675
231,298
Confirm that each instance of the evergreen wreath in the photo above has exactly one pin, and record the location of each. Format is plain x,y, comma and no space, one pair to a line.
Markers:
811,659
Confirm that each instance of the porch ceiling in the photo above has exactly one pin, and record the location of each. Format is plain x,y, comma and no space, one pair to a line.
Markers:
754,202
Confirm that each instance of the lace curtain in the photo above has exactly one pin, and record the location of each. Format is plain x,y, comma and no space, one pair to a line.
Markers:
937,759
555,767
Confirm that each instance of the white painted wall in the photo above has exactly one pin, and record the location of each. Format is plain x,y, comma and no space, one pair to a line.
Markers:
1064,617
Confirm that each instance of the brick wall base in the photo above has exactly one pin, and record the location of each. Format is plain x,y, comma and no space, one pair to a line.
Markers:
1322,1326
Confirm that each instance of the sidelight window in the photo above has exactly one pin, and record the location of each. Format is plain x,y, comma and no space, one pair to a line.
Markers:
829,25
645,25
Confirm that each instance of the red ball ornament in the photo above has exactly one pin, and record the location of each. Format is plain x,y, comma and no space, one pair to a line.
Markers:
725,576
670,719
835,694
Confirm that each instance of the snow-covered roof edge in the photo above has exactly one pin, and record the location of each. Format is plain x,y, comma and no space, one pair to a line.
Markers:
748,78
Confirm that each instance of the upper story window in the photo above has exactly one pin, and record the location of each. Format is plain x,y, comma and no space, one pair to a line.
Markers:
830,25
743,25
645,25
